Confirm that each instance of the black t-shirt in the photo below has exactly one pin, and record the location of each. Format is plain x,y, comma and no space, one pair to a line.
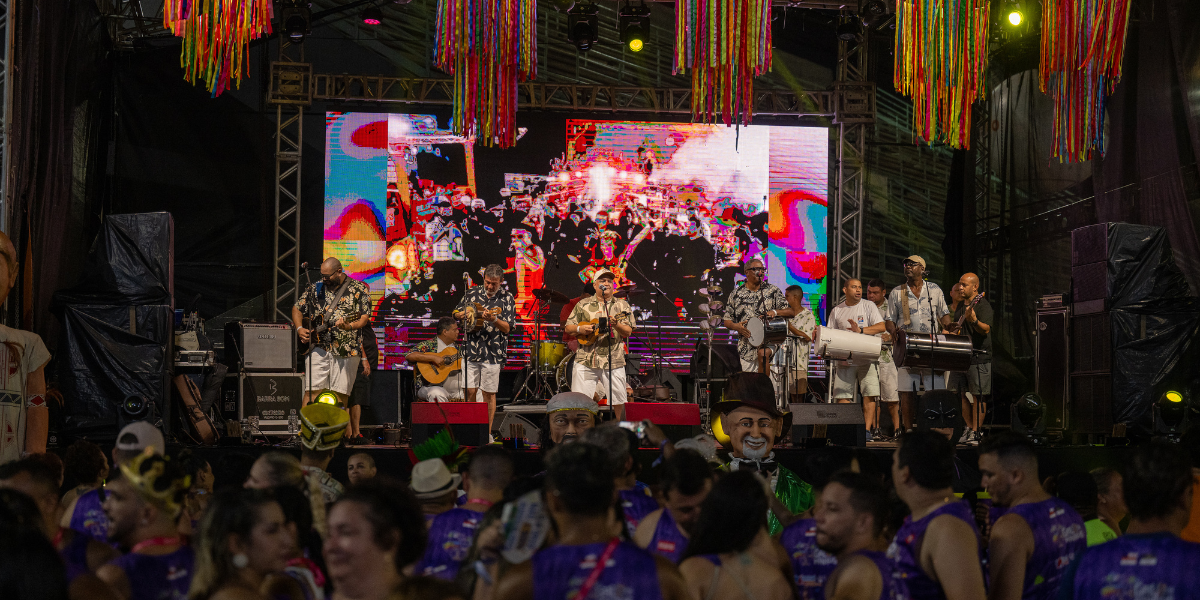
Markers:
982,342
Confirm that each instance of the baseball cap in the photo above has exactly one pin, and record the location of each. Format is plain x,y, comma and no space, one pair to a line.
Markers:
916,259
138,436
601,273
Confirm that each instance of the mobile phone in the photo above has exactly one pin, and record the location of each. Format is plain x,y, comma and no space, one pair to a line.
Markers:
603,327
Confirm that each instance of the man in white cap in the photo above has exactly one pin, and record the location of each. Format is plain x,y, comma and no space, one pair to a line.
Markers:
601,324
568,415
916,307
434,486
87,510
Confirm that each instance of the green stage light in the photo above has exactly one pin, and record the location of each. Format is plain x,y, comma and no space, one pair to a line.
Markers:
328,397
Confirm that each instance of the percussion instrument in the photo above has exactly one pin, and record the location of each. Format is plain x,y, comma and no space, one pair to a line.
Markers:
838,344
941,352
546,294
562,373
767,332
549,354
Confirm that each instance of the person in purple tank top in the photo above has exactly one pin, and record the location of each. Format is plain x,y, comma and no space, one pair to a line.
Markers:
142,506
1039,536
451,533
937,551
1151,561
588,561
619,443
686,480
850,522
85,511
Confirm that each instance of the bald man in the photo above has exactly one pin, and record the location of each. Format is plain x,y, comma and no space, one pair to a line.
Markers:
343,305
975,385
853,314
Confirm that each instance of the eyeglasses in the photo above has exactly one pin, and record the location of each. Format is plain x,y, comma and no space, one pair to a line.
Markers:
909,263
757,270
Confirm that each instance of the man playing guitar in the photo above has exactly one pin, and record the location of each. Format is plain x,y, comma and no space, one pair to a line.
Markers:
432,352
344,306
600,323
975,314
755,299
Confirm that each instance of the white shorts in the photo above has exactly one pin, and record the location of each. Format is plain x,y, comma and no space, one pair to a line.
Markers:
324,371
587,380
483,376
451,389
923,379
887,382
866,376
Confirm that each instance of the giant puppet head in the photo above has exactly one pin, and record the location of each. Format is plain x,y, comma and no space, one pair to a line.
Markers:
749,416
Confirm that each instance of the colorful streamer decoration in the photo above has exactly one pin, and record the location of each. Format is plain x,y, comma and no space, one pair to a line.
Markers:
1083,44
489,46
726,44
941,63
216,37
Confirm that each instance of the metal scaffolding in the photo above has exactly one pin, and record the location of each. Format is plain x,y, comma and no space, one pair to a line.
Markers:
6,35
291,93
854,115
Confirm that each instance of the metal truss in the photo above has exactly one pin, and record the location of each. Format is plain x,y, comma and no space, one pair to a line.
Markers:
126,21
854,116
6,38
291,93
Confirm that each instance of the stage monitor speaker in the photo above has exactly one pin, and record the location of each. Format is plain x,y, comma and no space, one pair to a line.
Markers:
528,430
260,346
270,402
1091,404
677,420
840,424
1052,376
468,421
725,360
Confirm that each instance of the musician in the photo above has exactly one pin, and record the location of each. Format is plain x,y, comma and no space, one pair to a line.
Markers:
859,317
977,324
877,293
916,307
801,328
345,304
427,352
486,348
602,363
755,299
569,339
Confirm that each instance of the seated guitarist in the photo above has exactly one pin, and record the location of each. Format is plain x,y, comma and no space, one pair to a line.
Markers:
344,304
428,352
595,361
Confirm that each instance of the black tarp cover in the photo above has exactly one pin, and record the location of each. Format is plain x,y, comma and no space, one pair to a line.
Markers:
130,263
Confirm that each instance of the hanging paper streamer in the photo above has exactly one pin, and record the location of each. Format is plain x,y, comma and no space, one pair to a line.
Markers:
941,63
726,44
489,46
216,35
1083,44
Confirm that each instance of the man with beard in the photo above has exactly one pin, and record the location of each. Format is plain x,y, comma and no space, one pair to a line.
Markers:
486,348
755,299
850,519
686,480
451,533
1039,536
142,506
568,415
811,566
344,305
916,307
751,419
86,512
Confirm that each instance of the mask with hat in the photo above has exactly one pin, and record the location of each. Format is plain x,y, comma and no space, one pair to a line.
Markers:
570,408
750,398
322,426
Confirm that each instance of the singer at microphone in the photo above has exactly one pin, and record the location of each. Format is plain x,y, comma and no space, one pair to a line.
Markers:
601,323
915,307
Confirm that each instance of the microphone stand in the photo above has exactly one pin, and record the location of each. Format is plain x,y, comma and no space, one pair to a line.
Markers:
612,338
658,356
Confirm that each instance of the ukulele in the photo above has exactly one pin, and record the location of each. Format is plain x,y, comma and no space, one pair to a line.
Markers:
591,338
957,326
436,374
475,316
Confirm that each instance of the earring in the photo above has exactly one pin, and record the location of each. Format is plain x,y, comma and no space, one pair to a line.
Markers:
241,561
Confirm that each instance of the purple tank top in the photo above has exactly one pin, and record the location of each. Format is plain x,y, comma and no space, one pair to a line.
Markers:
636,505
89,517
811,566
164,577
893,588
668,542
559,571
1058,539
905,550
74,556
450,538
1151,566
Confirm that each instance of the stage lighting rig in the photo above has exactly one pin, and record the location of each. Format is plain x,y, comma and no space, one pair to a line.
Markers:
871,11
1172,410
1028,417
327,397
1012,13
372,15
296,18
583,25
849,28
634,23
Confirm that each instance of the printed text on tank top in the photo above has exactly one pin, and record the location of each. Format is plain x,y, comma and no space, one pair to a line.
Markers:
601,564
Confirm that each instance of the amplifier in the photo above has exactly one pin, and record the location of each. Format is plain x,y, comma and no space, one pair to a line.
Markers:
1053,301
254,346
840,424
468,421
271,402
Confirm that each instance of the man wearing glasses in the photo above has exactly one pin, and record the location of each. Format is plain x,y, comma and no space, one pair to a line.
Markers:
916,307
755,299
343,306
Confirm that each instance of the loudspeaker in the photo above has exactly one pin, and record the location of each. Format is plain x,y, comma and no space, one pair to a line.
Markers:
1091,404
1089,244
940,409
840,424
1052,374
725,360
1089,282
678,421
1091,343
260,346
271,402
468,421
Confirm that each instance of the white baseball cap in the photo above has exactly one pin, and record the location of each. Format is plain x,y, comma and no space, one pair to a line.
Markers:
138,436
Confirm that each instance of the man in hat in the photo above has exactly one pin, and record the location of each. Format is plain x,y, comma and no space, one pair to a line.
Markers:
918,308
753,422
451,533
86,512
568,415
435,487
600,364
755,299
322,427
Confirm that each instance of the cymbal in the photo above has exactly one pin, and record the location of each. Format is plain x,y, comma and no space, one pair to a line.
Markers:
548,295
629,292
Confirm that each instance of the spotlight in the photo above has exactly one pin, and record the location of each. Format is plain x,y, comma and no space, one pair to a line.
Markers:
296,18
634,23
1013,14
135,408
1172,410
372,16
1028,417
328,397
849,28
583,28
871,11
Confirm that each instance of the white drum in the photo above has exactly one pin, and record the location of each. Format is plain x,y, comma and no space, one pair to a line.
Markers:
839,344
767,332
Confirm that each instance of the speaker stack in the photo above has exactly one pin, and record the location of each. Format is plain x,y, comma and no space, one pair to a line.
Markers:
1090,388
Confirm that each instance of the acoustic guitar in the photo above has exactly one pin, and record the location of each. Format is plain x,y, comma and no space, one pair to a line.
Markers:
591,338
436,374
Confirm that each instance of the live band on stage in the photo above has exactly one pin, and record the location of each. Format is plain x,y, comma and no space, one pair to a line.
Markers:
887,347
